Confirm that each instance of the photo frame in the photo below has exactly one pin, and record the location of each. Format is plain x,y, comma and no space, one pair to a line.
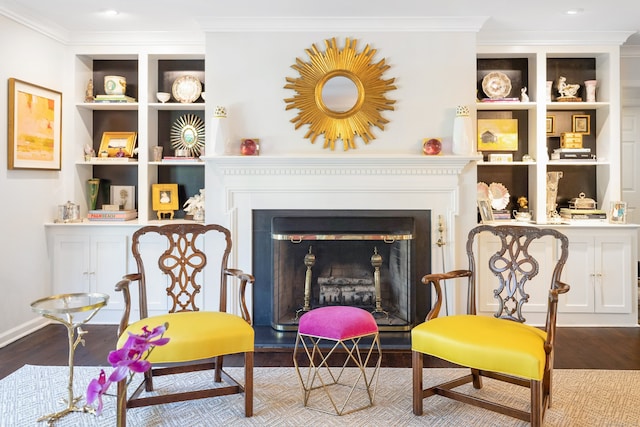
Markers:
551,124
497,135
164,197
123,196
618,212
117,144
486,213
581,123
34,127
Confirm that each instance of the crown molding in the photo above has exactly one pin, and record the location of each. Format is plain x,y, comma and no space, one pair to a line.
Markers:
336,23
553,38
47,28
129,38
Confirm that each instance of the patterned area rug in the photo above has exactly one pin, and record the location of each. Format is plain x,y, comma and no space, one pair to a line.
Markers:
581,398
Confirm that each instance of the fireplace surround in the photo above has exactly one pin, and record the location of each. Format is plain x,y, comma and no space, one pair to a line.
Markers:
238,186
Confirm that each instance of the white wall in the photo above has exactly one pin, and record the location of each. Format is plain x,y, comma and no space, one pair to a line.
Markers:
28,197
434,72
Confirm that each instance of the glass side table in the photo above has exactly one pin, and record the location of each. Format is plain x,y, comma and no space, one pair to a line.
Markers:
63,308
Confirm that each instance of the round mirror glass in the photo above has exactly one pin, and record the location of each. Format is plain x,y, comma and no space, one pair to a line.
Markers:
339,94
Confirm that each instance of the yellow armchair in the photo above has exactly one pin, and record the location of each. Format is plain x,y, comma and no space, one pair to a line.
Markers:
174,257
501,347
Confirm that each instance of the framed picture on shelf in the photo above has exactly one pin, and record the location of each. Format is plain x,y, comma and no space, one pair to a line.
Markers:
486,213
123,196
618,213
165,197
581,123
551,124
497,134
34,127
117,144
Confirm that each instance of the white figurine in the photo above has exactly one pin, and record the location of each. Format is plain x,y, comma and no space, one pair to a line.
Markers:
567,90
523,95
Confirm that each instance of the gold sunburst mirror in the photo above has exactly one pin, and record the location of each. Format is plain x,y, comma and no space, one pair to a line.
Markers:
187,133
340,93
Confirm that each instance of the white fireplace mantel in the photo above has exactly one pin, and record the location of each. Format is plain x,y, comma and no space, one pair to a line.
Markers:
237,185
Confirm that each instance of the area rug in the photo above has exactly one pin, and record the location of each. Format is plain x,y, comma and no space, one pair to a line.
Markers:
581,398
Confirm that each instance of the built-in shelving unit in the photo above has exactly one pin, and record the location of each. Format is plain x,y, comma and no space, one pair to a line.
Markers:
152,120
532,67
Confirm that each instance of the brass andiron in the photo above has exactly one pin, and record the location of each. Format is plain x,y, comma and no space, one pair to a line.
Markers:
376,263
309,261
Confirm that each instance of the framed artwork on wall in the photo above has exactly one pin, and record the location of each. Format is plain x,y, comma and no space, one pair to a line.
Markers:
497,134
551,124
34,127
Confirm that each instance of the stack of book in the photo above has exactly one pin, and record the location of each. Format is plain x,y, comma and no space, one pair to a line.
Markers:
501,214
567,213
113,98
109,215
572,154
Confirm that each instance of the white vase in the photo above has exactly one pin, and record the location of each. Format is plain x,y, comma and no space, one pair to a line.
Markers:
590,86
463,137
549,88
220,132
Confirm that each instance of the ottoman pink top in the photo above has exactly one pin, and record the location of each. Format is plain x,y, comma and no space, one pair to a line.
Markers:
337,323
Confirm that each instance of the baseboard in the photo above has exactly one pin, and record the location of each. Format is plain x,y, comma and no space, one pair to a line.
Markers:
20,331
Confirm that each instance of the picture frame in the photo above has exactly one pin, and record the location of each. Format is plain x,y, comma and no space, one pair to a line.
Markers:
497,135
34,127
581,123
551,124
117,144
486,213
618,212
164,197
123,196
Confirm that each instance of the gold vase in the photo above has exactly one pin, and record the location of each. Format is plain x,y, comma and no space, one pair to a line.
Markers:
93,185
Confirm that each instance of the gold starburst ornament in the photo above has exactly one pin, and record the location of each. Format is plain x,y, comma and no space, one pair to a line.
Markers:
187,133
340,93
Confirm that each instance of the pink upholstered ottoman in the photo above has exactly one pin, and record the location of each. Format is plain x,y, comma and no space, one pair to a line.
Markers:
322,332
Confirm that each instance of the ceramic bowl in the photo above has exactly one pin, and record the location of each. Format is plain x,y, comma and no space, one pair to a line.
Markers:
163,96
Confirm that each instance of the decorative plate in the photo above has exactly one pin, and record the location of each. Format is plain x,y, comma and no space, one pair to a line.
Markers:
496,85
483,191
186,89
499,196
187,133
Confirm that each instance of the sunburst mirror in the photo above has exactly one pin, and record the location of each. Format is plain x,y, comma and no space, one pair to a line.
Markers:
187,133
340,93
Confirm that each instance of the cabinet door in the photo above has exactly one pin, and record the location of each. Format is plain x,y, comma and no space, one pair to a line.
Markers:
108,263
612,275
71,269
579,274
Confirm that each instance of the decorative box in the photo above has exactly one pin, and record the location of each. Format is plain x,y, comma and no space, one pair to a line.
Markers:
570,140
502,157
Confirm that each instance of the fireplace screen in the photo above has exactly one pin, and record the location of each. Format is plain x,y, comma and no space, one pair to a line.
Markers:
363,267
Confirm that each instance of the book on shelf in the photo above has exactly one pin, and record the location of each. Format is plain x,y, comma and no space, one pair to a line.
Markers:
113,98
568,213
571,156
180,159
500,100
501,214
113,159
108,215
572,150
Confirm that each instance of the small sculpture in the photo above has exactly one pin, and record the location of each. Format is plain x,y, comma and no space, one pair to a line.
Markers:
523,204
567,90
88,97
523,95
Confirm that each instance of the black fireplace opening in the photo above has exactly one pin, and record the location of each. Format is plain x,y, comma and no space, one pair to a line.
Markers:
372,259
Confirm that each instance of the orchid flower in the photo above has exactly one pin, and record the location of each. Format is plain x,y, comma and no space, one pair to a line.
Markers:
129,359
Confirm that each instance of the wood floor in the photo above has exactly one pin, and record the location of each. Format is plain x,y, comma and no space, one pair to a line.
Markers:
576,348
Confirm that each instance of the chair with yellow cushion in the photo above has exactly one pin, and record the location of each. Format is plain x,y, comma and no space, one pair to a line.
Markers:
172,263
501,346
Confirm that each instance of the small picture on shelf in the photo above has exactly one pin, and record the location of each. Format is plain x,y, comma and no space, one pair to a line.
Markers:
165,199
117,144
551,124
497,134
486,213
581,123
123,196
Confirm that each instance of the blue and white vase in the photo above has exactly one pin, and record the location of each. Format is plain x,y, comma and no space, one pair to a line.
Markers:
463,137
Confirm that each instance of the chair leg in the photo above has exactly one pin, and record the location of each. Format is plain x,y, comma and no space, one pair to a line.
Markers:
477,379
536,403
121,404
417,367
218,371
248,384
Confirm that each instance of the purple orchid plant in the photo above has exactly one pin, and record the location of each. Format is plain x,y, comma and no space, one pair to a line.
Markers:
127,360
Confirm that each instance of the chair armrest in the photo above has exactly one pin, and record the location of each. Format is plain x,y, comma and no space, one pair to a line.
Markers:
552,313
244,279
123,286
435,279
